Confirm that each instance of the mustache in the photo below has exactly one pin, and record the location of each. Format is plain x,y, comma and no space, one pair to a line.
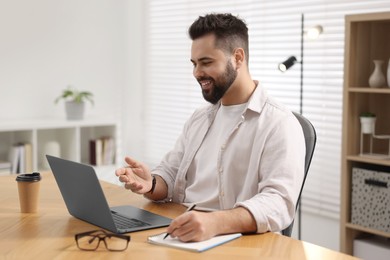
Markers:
205,78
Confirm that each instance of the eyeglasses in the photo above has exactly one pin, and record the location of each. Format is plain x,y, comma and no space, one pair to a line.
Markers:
90,241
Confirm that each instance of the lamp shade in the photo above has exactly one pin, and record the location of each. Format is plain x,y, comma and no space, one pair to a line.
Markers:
285,65
314,32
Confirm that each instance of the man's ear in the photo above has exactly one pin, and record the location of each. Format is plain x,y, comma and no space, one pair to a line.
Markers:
239,57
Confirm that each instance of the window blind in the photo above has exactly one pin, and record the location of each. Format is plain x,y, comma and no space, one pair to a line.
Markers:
172,94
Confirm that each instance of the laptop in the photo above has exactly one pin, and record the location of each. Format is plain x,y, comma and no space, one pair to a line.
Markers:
85,200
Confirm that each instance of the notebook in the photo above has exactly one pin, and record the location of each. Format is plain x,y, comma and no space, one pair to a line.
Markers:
85,200
192,246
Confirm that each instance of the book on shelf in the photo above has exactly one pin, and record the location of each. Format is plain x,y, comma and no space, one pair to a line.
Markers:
28,160
21,158
102,151
108,151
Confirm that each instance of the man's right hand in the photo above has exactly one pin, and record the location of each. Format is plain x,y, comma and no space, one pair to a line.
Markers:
136,176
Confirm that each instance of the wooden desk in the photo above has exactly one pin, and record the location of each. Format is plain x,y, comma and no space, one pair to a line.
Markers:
49,234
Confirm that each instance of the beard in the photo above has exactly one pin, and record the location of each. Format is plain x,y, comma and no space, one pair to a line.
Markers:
220,85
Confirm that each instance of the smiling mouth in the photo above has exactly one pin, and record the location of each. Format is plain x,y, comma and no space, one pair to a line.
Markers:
205,84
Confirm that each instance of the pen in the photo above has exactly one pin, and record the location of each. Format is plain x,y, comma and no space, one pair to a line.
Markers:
191,207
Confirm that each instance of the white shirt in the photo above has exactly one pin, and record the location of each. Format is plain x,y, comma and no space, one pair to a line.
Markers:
260,165
202,174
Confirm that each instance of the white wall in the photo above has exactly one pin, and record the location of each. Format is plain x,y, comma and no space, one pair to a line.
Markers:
318,230
46,45
94,45
132,96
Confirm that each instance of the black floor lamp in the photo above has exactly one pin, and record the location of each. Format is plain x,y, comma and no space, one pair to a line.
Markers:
311,33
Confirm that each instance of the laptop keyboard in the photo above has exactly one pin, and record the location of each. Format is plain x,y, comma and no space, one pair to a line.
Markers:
123,222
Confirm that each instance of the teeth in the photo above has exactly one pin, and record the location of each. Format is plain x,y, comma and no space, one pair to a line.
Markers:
205,83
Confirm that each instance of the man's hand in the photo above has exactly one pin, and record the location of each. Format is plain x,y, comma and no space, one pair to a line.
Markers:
193,226
199,226
136,176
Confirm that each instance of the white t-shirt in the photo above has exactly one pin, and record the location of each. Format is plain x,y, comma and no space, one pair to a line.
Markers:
202,173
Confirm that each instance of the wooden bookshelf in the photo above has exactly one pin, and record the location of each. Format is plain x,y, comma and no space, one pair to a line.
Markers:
367,37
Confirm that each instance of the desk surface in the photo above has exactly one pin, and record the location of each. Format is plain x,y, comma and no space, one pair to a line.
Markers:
49,234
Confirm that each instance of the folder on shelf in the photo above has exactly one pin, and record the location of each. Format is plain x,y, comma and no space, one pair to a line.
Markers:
21,158
14,158
108,151
28,163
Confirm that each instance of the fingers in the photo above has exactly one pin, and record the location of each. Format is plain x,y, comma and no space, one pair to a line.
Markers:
186,227
131,183
185,233
133,163
137,167
136,176
125,172
119,172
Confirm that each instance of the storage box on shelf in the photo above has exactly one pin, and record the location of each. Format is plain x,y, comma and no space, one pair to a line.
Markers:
67,139
370,205
366,39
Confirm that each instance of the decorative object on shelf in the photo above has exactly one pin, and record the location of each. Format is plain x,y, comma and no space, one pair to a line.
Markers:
367,122
388,74
311,33
377,78
75,102
367,126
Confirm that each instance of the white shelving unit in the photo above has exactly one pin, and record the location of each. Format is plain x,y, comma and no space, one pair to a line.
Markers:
72,136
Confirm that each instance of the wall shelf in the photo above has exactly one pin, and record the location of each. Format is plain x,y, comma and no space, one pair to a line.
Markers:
367,230
370,90
364,159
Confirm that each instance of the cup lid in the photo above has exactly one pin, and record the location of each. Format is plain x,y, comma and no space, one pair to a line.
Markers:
35,176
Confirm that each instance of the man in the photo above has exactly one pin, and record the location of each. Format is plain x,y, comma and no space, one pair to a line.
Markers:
242,156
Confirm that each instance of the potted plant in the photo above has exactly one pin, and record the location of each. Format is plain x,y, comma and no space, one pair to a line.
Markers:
75,102
367,121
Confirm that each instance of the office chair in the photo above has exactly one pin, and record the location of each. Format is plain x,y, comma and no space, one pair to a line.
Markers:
310,141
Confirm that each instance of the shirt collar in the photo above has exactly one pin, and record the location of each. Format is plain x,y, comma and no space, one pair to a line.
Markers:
255,103
258,99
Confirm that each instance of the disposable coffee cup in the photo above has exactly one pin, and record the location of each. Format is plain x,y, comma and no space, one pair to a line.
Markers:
28,187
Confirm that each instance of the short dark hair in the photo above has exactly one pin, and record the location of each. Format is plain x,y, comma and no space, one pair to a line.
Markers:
230,31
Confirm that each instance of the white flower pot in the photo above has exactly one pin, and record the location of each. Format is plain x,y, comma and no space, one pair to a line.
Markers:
367,124
74,110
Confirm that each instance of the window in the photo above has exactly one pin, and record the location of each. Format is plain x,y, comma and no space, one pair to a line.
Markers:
172,94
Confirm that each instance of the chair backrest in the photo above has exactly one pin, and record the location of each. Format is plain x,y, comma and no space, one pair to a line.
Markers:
310,135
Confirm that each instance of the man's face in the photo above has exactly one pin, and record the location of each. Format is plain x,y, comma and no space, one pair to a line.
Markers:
212,68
